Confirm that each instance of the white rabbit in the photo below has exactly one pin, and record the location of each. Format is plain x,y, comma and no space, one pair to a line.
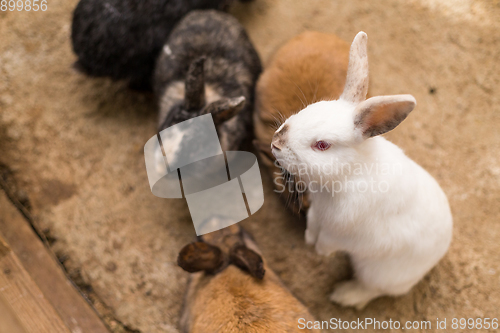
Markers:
379,206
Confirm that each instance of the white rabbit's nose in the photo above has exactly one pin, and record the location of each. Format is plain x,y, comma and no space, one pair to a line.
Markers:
279,138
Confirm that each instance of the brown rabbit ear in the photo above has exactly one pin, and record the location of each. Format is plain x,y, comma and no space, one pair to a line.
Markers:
248,260
200,256
194,95
224,109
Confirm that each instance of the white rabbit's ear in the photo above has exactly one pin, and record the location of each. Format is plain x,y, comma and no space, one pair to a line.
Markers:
356,84
378,115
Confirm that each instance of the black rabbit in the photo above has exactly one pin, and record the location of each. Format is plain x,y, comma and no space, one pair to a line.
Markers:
122,38
208,65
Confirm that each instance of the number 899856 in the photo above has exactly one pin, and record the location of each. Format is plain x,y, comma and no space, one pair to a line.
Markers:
23,5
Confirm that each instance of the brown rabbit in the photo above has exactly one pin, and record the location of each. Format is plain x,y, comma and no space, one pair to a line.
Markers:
230,292
309,68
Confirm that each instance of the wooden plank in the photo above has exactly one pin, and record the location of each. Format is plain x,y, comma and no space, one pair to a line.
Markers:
24,298
46,271
9,322
4,249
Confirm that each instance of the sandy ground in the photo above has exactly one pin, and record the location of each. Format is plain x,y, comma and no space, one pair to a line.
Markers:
74,146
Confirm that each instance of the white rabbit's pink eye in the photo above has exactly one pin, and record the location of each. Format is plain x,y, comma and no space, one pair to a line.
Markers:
322,145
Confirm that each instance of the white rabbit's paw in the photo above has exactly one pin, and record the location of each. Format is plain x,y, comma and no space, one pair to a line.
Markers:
310,237
352,293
